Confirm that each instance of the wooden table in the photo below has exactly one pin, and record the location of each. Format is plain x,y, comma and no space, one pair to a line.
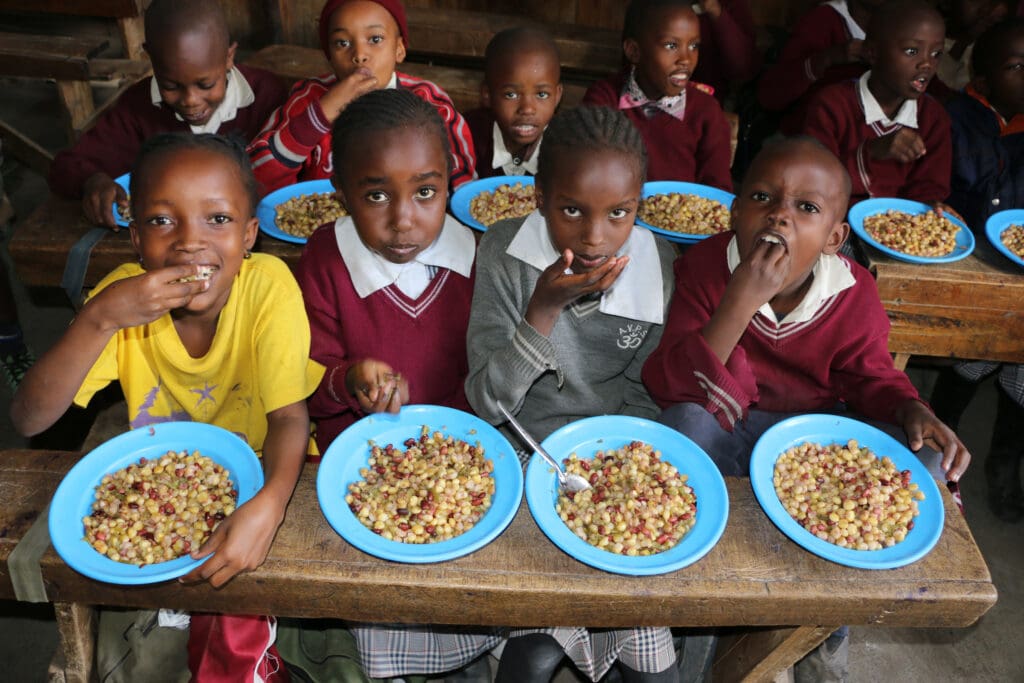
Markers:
972,308
754,577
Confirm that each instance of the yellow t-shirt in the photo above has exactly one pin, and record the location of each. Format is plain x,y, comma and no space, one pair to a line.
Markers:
258,361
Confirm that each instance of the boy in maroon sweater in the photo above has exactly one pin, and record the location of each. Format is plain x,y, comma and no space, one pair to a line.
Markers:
521,90
769,321
683,126
894,139
195,87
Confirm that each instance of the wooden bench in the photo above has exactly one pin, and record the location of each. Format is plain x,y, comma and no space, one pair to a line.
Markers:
753,577
127,13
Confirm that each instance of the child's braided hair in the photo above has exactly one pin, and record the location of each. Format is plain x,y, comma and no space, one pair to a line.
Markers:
380,110
230,146
589,128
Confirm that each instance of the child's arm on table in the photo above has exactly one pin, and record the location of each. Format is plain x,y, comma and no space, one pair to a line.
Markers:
50,385
923,427
241,542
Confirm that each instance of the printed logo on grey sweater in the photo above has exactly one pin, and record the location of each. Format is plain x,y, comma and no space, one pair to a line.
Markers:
631,336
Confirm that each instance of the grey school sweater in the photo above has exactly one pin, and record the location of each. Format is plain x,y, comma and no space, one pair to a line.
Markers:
590,365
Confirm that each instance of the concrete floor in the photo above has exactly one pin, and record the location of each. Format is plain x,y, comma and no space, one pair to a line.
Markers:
991,650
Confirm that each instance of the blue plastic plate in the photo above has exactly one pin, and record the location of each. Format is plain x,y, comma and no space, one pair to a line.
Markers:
656,187
123,181
996,224
266,210
830,429
869,207
467,192
586,437
74,497
351,451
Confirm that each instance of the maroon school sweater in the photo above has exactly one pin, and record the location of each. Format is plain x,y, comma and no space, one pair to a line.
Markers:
423,339
111,145
835,116
696,149
841,354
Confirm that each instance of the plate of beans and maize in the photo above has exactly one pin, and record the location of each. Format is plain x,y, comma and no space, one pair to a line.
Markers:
123,215
657,503
846,491
911,231
427,484
481,203
292,213
148,497
1005,230
684,212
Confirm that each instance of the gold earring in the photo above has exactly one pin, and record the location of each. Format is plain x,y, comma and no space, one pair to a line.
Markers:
247,255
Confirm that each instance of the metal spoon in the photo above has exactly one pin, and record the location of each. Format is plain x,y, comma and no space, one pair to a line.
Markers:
569,482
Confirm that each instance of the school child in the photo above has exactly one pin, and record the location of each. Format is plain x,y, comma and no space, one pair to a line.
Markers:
988,176
195,87
825,47
892,137
728,45
567,304
363,41
230,348
967,20
387,290
683,126
521,89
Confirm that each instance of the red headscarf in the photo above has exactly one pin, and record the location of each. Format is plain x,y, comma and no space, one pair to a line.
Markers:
394,7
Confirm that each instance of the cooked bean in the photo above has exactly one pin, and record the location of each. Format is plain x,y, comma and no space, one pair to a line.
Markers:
638,504
1013,239
685,213
157,510
847,496
435,490
506,201
301,215
925,234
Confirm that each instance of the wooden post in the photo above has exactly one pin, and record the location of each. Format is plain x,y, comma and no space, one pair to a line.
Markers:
900,360
759,655
76,625
76,96
132,36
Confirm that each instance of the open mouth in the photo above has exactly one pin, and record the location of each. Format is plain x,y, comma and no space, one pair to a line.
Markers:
920,84
525,130
205,273
197,118
679,79
772,238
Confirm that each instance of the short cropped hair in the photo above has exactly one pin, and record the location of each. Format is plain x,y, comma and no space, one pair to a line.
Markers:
991,43
513,41
589,129
639,10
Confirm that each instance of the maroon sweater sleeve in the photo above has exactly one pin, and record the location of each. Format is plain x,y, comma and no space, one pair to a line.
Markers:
714,152
728,46
831,120
604,93
683,368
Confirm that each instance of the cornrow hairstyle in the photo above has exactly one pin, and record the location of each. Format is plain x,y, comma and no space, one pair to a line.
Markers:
638,12
380,110
991,45
230,147
587,129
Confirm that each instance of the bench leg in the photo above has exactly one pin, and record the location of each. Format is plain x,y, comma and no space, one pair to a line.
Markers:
760,655
76,625
900,360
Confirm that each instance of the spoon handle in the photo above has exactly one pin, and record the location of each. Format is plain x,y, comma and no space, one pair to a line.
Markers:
521,431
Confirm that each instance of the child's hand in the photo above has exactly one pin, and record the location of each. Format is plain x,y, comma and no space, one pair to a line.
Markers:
905,145
144,298
377,387
359,82
944,208
759,276
841,53
240,543
98,195
712,8
922,427
558,286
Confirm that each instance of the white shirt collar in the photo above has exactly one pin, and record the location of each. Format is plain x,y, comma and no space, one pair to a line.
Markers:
905,116
831,276
504,160
852,27
237,94
638,293
454,249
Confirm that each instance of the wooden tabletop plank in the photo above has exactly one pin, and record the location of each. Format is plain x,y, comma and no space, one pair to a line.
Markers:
753,576
88,8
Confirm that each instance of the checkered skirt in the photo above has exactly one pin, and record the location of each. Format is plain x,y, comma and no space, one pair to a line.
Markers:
393,650
593,651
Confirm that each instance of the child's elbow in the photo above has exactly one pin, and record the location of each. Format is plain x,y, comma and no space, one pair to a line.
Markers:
27,422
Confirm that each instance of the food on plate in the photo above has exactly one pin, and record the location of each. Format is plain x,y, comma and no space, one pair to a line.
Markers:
925,234
301,215
846,495
685,213
1013,239
157,510
506,201
434,490
638,504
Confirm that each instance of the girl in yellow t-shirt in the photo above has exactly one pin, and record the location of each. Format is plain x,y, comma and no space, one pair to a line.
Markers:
199,329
